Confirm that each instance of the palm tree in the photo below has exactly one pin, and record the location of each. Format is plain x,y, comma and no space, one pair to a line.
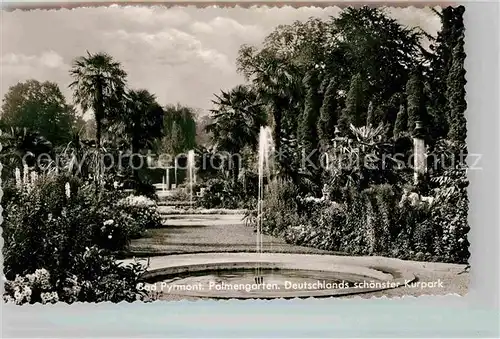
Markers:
237,119
368,135
278,86
99,84
142,121
365,158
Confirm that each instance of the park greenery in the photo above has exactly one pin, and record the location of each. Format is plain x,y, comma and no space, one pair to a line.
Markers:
354,86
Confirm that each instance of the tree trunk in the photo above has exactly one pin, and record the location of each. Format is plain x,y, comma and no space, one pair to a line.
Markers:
99,113
135,160
98,132
277,129
236,172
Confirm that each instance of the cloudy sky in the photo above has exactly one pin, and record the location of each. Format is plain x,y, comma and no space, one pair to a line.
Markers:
180,54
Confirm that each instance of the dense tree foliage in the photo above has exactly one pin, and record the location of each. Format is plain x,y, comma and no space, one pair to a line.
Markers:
20,147
368,70
39,107
203,138
180,131
356,106
378,48
362,56
307,131
142,121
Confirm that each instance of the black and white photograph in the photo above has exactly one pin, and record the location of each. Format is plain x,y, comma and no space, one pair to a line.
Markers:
153,153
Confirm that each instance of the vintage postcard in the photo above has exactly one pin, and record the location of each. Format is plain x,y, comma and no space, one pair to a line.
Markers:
170,153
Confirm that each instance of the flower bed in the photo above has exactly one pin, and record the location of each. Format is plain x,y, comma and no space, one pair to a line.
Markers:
375,221
65,227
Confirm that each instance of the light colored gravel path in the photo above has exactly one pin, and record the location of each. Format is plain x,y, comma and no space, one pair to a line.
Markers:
188,233
173,210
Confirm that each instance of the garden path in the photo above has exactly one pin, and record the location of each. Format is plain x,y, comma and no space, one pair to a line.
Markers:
196,231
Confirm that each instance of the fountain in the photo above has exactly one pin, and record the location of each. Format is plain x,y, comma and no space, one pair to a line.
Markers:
268,275
265,153
166,179
232,275
191,175
175,172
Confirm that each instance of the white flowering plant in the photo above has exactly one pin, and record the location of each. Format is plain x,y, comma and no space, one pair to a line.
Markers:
31,288
142,210
137,201
97,277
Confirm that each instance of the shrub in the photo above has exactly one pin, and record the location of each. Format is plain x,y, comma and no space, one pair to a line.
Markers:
376,221
330,225
62,225
31,288
43,226
94,277
410,232
221,193
449,217
142,211
180,194
380,201
114,228
354,240
451,243
146,188
280,207
103,279
137,201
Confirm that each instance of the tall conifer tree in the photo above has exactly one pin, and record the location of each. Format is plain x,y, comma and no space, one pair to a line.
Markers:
307,132
328,113
452,27
401,121
455,94
370,115
416,101
355,109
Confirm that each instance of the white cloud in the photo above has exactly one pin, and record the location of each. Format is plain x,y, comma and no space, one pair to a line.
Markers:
51,59
171,47
230,26
151,16
47,59
182,54
201,28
